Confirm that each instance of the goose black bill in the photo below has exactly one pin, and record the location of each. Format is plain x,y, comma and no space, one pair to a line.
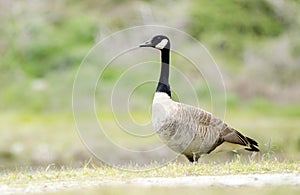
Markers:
147,44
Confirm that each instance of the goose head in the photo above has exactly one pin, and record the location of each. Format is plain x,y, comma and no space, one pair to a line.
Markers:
159,42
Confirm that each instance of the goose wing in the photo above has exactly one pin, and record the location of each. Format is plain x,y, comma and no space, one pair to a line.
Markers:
215,134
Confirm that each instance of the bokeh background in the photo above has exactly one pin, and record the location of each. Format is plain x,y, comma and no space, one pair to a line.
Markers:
42,43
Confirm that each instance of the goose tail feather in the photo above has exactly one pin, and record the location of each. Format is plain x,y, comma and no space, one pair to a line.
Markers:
253,145
232,136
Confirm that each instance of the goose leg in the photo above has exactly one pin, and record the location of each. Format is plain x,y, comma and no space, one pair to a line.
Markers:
196,157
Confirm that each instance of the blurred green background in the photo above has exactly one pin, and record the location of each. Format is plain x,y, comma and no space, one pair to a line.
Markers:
42,43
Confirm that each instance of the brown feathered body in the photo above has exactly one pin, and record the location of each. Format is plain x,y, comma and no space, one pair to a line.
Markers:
193,131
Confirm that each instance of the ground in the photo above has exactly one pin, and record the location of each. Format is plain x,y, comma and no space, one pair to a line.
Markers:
265,176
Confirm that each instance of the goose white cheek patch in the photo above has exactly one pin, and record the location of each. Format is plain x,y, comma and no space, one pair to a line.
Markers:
162,44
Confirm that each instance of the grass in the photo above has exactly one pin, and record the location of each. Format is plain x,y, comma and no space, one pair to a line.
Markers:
175,169
90,176
171,170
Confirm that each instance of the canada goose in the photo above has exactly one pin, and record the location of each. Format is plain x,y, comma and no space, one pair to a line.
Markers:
189,130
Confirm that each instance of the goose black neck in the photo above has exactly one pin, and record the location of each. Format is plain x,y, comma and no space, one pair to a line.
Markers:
163,84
